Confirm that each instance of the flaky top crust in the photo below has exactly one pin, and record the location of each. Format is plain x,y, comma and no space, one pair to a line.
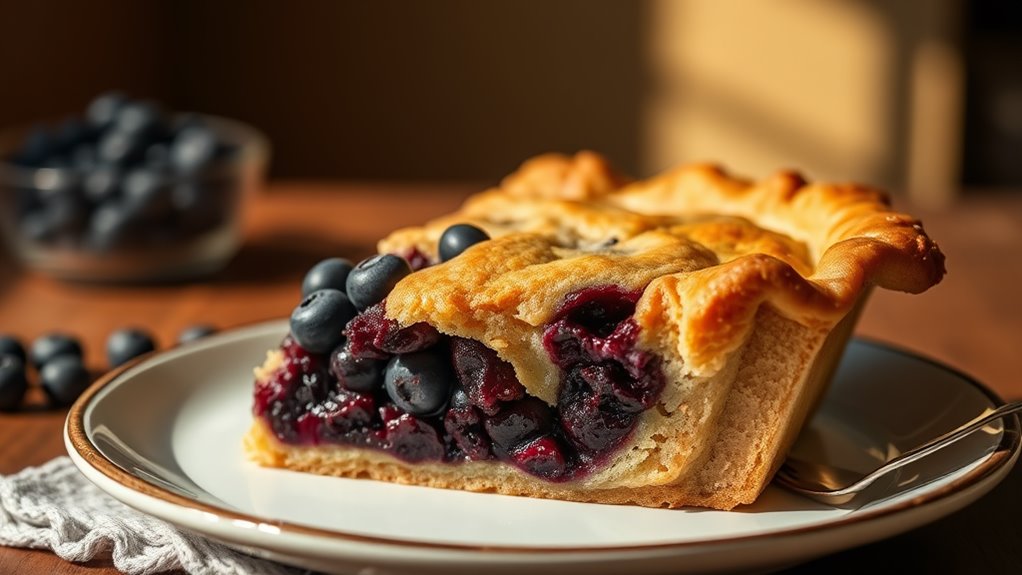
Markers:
706,249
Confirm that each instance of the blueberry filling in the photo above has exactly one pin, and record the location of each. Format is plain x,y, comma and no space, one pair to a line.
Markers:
487,381
422,396
425,397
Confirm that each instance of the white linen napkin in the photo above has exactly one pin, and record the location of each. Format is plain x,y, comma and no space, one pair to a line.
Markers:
55,507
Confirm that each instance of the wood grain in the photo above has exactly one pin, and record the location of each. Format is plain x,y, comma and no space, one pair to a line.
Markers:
972,321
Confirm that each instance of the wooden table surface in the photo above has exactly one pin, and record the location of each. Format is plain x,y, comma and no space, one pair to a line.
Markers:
972,321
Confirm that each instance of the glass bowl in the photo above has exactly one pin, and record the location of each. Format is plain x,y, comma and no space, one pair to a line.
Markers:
50,226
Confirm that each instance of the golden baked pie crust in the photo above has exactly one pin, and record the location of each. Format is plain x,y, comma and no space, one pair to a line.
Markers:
708,250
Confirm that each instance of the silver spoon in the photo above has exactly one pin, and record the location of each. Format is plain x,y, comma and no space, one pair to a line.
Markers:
842,488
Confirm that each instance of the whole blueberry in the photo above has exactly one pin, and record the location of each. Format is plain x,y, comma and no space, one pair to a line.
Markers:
330,273
458,238
356,373
193,149
126,344
13,383
102,183
317,324
110,226
419,383
10,345
147,193
64,378
103,110
139,118
195,332
51,345
372,279
120,148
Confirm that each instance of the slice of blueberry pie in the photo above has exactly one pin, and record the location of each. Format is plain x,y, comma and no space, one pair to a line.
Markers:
576,336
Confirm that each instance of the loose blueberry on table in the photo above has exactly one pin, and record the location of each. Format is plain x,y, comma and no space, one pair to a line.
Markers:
64,378
47,347
13,382
126,344
360,379
10,345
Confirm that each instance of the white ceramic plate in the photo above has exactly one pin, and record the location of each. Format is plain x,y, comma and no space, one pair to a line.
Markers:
164,436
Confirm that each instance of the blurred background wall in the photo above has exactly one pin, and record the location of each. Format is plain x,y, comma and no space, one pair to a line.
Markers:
918,95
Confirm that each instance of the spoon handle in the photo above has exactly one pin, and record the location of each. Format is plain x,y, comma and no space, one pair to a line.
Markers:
942,441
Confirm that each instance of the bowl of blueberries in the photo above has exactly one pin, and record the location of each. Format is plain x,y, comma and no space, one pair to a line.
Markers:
129,192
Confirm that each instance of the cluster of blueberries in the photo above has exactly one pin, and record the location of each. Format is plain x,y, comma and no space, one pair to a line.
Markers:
334,292
57,358
126,173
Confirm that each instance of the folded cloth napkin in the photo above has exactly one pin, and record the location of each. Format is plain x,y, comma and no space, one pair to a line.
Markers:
54,506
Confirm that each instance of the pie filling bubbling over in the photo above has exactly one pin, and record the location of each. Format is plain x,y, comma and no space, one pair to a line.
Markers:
606,383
